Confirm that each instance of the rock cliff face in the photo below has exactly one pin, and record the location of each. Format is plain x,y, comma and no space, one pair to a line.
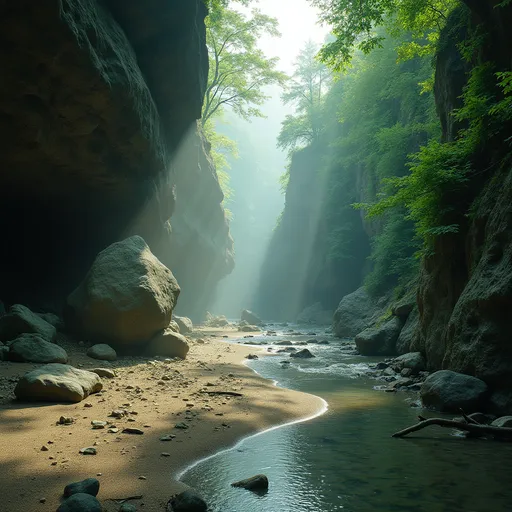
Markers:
96,99
465,292
300,269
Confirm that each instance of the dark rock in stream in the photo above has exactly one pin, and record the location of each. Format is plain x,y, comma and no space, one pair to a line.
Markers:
302,354
448,391
254,483
187,501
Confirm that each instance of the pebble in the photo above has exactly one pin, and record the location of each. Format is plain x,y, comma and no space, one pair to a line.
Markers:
181,425
96,424
65,420
165,454
87,404
167,437
44,448
88,451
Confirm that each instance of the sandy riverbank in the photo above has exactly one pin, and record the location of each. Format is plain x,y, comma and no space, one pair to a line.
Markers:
158,395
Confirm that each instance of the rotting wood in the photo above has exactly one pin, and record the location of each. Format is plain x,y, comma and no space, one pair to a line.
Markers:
474,429
228,393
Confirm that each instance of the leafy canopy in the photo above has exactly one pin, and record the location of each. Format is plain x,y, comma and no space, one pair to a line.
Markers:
354,25
306,91
239,70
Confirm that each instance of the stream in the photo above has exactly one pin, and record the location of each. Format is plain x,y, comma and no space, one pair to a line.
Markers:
346,459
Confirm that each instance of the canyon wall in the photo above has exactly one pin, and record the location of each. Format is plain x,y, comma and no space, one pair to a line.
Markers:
97,100
465,291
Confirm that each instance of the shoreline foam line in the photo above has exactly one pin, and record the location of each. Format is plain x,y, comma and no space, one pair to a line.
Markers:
323,409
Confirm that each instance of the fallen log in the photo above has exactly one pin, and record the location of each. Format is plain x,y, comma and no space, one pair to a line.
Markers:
228,393
477,430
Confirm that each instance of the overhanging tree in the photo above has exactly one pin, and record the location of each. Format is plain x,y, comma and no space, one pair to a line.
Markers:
239,70
354,25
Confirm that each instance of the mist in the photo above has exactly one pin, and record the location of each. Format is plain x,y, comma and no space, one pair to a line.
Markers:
257,200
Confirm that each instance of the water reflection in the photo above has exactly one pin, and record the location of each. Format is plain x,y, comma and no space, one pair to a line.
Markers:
346,459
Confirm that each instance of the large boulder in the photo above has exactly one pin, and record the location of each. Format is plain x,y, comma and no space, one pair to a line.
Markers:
315,314
381,340
354,313
33,348
448,391
250,317
20,320
57,383
169,344
185,325
127,296
413,360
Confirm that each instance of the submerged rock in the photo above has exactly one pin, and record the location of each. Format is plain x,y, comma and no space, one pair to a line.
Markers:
187,501
250,317
127,296
102,351
379,341
20,320
168,344
35,349
302,354
448,391
254,483
57,383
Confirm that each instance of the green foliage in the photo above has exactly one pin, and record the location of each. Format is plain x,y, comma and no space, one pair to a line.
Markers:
306,91
439,172
222,149
354,26
239,70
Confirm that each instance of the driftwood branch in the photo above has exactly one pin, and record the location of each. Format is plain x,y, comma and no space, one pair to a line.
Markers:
474,429
228,393
468,419
120,501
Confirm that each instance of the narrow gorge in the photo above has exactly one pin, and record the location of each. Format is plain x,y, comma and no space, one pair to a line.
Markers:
250,245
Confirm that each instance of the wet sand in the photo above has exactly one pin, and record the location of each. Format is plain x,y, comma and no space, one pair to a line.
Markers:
158,395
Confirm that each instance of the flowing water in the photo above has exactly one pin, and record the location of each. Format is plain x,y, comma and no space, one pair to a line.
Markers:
346,459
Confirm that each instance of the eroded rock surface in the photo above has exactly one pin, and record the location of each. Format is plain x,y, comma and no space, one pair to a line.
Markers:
20,320
169,344
354,313
379,340
448,391
35,349
127,296
57,383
